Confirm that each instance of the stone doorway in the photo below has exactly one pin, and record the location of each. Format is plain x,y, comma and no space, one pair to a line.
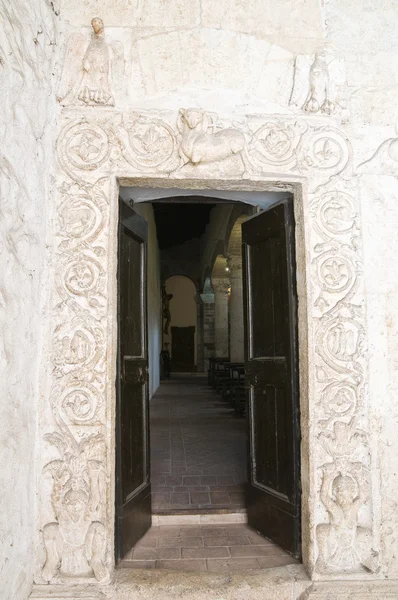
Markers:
207,477
307,156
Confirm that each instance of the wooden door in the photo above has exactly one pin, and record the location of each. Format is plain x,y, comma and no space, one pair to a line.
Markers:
272,374
183,347
133,489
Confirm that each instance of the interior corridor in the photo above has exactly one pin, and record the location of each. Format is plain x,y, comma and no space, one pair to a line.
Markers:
198,449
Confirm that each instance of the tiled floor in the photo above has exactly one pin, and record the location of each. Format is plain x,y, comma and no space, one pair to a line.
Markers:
220,548
198,449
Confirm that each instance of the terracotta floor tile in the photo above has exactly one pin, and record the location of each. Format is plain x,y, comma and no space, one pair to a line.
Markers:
200,498
185,542
255,551
226,541
205,552
179,498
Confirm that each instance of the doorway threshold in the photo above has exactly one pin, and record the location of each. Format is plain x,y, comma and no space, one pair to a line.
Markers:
199,518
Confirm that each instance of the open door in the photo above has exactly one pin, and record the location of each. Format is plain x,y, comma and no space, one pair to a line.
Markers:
133,488
272,374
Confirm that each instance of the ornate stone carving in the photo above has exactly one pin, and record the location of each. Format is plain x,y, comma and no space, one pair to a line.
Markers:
299,147
345,541
384,160
150,143
318,98
83,146
276,143
318,83
201,145
102,145
87,71
220,286
235,266
75,542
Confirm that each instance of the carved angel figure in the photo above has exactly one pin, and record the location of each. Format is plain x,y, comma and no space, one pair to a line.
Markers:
343,543
199,145
87,71
318,98
75,542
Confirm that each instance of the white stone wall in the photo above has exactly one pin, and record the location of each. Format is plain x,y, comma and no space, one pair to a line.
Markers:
234,58
28,54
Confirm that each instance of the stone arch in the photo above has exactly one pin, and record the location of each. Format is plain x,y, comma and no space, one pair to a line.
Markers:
220,268
183,311
234,245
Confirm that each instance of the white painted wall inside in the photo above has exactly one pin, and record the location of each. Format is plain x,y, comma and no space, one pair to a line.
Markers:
154,299
27,61
183,308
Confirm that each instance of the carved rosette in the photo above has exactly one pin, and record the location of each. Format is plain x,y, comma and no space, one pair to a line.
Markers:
76,419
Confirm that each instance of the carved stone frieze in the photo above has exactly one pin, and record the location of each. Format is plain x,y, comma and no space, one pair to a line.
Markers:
345,537
98,146
197,143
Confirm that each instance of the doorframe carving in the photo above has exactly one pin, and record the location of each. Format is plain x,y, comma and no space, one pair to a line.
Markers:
98,150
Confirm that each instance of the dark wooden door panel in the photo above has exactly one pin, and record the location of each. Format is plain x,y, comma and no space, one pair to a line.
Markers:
133,490
272,375
183,346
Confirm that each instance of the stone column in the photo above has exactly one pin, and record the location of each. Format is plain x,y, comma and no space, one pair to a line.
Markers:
199,335
236,309
220,287
208,328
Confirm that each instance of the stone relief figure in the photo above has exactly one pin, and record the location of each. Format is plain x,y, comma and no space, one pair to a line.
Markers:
88,69
199,145
318,98
166,308
319,84
75,542
342,542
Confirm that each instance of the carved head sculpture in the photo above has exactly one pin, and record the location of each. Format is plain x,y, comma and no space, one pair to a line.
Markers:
98,26
345,490
192,116
75,503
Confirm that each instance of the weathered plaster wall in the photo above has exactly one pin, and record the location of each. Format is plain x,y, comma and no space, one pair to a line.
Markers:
154,298
28,54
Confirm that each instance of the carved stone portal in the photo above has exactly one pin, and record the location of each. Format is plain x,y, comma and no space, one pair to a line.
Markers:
95,147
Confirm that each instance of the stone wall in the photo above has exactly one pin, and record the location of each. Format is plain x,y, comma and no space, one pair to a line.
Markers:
326,123
28,61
